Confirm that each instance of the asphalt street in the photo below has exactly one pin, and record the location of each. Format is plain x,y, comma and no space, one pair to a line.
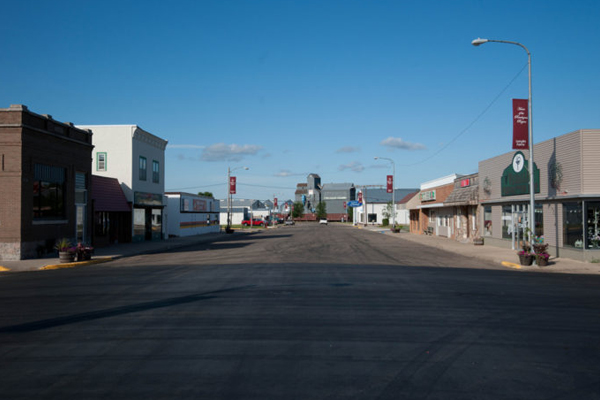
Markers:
304,312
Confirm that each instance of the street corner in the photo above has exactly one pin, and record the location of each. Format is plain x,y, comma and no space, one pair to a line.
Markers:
76,264
510,265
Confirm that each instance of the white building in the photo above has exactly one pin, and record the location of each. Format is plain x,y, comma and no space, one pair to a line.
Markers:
190,214
375,203
137,159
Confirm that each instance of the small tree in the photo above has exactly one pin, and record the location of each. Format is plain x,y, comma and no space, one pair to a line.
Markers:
350,214
298,210
388,211
206,194
321,210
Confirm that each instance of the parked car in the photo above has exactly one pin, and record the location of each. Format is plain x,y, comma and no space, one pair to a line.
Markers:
253,222
323,221
289,222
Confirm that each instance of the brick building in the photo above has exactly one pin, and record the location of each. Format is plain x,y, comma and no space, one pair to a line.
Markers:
432,215
45,170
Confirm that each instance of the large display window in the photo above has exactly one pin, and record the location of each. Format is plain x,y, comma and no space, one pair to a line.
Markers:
573,224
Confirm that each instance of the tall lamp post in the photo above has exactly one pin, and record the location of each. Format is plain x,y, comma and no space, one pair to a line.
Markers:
393,190
478,42
229,171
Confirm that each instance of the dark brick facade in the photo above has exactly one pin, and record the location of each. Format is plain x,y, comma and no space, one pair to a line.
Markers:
27,139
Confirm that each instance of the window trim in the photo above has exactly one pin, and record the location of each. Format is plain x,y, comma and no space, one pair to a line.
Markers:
142,174
98,154
155,174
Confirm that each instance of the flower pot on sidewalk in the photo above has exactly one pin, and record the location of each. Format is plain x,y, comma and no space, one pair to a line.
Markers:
66,257
525,259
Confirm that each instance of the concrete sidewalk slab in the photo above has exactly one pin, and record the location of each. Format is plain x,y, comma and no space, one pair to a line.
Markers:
494,254
113,252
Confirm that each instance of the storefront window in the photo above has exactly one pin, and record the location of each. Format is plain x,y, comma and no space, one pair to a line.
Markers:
156,224
572,225
593,224
507,222
487,221
139,224
48,192
539,220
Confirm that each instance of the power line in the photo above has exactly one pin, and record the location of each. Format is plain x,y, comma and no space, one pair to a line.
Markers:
485,110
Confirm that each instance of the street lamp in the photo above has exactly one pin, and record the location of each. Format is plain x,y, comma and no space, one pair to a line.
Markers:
478,42
229,171
393,190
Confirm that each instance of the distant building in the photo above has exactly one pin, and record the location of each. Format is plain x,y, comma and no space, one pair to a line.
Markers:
189,214
45,177
137,159
375,202
432,214
336,197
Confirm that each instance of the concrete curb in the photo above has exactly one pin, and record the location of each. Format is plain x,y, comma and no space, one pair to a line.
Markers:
77,264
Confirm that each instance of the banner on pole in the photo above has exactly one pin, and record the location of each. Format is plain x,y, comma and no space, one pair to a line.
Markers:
390,183
275,202
520,124
232,185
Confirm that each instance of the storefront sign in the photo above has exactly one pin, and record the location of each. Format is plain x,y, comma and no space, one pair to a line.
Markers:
390,183
465,182
427,196
515,177
147,199
520,124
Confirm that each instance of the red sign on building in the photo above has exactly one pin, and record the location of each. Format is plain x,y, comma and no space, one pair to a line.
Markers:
232,185
275,202
360,197
520,124
390,183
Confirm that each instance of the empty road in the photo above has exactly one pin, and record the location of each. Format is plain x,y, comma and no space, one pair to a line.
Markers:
305,312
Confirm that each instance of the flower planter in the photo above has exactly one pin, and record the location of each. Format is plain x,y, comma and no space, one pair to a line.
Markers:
542,262
66,257
525,259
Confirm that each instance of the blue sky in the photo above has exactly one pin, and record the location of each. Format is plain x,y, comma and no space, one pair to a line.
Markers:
289,88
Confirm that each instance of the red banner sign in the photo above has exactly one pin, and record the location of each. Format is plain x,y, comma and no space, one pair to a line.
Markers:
465,183
520,124
275,202
232,185
360,197
390,183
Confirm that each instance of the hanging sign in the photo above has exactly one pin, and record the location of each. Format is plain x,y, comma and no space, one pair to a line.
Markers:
275,202
520,124
232,185
390,183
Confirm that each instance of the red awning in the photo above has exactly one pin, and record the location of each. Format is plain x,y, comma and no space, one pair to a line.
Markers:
107,195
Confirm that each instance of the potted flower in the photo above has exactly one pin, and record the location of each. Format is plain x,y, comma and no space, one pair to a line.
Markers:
525,254
83,252
540,250
66,253
396,228
542,259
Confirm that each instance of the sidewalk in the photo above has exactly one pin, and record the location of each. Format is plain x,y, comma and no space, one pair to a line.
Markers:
113,252
504,257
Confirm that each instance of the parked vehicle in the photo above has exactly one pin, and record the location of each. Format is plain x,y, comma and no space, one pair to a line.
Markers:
253,222
323,221
289,222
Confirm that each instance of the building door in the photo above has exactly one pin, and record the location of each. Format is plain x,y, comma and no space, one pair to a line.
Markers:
148,230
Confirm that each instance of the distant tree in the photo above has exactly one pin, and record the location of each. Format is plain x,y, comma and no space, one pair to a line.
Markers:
321,211
388,211
298,210
206,194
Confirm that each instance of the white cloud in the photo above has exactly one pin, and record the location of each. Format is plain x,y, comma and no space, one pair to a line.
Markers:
284,173
353,166
184,146
229,152
348,149
397,143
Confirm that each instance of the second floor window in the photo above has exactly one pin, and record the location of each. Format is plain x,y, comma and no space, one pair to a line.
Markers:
100,161
143,164
155,171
